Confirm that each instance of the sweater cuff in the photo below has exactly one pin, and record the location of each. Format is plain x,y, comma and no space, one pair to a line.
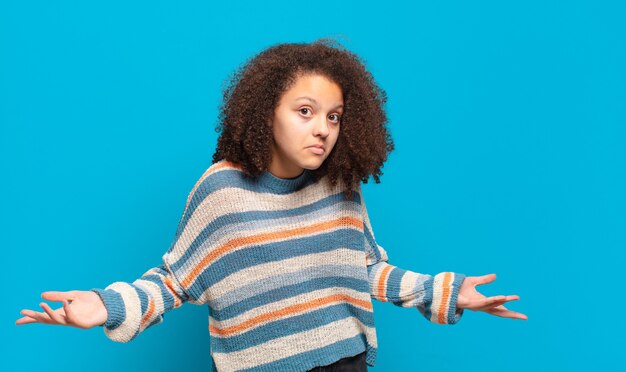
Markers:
113,302
445,292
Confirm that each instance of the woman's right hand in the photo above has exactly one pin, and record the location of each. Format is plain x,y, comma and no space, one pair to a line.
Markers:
81,309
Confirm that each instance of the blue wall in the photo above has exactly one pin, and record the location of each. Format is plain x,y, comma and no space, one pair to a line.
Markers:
509,122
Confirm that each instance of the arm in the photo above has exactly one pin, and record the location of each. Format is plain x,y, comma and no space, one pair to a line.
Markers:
434,296
134,307
127,309
123,309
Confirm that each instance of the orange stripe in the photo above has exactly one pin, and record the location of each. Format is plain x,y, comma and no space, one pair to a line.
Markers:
382,282
287,311
148,313
170,288
264,237
447,279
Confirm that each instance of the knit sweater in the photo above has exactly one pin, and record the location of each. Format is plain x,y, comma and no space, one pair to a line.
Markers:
288,268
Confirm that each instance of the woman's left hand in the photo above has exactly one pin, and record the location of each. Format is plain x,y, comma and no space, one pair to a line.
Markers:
470,298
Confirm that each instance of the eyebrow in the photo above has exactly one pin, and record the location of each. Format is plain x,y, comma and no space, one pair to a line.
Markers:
314,101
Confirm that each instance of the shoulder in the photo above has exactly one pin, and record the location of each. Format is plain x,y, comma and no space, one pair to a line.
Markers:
219,175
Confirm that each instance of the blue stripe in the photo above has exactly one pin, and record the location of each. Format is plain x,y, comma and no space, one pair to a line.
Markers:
158,279
371,248
394,285
289,291
281,280
456,284
317,357
135,334
274,251
168,299
289,326
157,320
257,218
428,297
114,303
223,179
143,299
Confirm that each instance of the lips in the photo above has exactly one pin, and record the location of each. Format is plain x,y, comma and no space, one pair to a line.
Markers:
317,149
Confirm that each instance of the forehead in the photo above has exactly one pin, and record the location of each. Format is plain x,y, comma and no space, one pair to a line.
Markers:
318,87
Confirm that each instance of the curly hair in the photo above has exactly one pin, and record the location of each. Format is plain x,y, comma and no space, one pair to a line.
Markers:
253,91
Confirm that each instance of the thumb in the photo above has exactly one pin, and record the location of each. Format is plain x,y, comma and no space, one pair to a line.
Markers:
485,279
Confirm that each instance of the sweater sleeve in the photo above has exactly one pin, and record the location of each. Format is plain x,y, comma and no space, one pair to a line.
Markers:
434,296
134,307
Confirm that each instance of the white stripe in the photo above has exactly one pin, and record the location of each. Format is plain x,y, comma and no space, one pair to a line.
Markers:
154,292
232,200
291,301
132,305
290,345
437,297
242,293
234,232
294,264
408,286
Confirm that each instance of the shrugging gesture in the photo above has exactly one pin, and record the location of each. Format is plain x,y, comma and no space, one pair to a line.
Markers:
470,298
81,309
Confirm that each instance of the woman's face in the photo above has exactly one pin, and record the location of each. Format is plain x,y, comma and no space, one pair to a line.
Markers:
307,114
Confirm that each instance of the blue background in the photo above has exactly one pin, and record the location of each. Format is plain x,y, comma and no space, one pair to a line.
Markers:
509,122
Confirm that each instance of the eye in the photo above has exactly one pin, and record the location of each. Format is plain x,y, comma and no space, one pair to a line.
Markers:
304,108
338,118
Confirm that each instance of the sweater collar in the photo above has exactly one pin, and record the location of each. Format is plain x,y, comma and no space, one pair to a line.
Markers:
284,185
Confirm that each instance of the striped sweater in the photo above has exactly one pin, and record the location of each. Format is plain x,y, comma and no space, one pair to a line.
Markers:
288,269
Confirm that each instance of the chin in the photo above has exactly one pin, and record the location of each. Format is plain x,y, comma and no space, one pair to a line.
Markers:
313,165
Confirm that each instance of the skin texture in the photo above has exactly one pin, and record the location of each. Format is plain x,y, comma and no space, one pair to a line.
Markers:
301,122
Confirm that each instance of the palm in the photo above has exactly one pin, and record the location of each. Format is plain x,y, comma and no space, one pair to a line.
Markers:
86,310
470,298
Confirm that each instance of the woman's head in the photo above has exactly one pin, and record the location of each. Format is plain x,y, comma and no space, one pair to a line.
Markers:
308,115
266,125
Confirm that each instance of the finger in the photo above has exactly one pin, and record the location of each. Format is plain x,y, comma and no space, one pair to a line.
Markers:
503,298
495,301
485,279
40,317
55,315
488,302
503,312
58,296
25,320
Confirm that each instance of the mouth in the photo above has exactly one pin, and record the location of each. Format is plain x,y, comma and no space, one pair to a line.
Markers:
319,150
318,146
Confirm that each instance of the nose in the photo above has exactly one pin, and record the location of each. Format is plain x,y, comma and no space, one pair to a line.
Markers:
321,127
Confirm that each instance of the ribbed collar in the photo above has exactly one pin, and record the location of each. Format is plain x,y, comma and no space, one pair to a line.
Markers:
284,185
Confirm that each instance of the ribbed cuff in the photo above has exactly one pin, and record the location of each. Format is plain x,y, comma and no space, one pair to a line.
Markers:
444,292
454,313
114,304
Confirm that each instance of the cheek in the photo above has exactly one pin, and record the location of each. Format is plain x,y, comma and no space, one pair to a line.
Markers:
335,136
287,136
282,132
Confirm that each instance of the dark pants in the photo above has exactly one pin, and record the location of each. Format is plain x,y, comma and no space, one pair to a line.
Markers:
350,364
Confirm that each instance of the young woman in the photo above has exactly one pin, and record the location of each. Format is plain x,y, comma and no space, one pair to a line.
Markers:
275,237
